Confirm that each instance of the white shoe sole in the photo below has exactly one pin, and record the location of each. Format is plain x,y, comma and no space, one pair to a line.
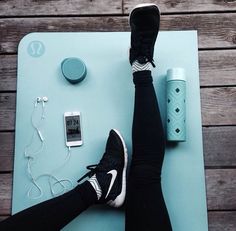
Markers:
121,197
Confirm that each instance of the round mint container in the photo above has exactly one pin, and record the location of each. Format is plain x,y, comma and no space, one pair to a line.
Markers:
74,70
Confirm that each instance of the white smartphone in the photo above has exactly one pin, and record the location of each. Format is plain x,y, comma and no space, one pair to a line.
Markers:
72,124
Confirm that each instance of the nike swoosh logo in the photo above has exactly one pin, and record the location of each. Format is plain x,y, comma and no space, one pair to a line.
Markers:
114,174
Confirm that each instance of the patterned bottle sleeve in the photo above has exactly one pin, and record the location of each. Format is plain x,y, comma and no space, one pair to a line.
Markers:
176,110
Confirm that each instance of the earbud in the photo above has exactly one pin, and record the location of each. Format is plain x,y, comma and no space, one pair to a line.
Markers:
45,99
38,100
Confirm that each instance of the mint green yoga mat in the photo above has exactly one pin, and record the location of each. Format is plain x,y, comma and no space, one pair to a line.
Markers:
105,100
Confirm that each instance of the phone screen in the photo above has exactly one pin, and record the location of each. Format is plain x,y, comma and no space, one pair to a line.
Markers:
73,131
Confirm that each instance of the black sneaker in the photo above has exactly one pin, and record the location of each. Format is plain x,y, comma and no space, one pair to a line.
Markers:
111,171
144,21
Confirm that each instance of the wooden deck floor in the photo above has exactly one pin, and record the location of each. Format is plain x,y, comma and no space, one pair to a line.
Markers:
215,21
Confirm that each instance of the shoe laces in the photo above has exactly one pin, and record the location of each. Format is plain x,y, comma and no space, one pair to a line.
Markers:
95,168
92,170
143,46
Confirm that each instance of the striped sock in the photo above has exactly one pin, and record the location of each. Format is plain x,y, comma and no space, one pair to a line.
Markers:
136,66
94,182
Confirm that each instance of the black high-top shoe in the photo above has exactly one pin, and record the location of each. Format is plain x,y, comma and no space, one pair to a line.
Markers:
144,21
111,171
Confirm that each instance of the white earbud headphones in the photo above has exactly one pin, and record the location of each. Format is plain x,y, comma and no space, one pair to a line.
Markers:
42,100
31,155
39,100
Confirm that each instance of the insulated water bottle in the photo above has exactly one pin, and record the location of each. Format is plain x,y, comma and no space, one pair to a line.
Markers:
176,104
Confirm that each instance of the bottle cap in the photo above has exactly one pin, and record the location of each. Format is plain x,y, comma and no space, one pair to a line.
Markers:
176,73
73,69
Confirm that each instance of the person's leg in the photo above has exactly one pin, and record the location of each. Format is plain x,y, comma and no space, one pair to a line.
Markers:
145,206
55,213
107,184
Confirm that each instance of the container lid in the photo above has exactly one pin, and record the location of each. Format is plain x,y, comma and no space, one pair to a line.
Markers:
73,69
176,73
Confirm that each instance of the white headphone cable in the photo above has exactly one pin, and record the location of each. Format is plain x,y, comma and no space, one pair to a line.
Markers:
31,157
62,181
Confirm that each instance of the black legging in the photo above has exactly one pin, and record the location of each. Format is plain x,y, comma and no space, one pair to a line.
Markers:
53,214
145,206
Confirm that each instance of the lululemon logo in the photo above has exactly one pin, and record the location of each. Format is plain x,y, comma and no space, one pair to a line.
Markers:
36,49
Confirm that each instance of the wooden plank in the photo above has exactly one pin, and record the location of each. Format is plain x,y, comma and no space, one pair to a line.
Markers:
221,189
217,67
215,141
8,72
218,106
219,146
222,220
83,7
220,183
6,153
5,193
7,111
174,6
214,30
59,7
